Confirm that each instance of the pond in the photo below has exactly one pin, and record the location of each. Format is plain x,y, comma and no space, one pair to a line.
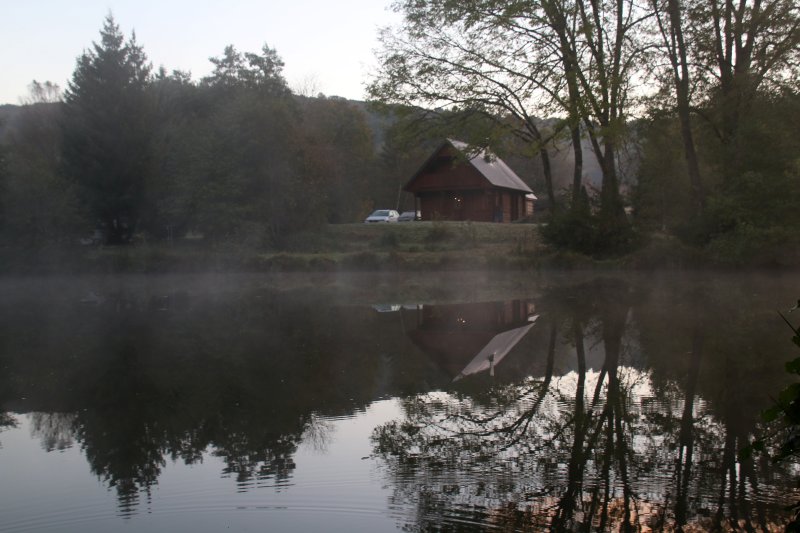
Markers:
391,402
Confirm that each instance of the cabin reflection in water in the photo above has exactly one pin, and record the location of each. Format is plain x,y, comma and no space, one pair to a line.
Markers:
469,338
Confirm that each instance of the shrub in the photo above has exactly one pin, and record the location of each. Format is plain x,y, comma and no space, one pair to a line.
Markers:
782,440
439,232
389,239
362,261
755,246
581,231
468,233
285,263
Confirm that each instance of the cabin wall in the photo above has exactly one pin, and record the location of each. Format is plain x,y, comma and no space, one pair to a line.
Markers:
457,205
511,204
476,205
445,176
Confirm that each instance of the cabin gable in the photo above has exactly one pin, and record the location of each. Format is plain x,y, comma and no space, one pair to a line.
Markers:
446,170
452,186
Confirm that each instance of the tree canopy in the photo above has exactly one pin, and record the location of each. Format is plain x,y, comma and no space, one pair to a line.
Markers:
601,69
131,153
673,116
108,127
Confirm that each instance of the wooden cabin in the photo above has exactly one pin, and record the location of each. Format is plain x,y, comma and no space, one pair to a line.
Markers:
454,184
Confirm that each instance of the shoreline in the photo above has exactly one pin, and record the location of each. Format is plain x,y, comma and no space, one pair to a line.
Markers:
411,247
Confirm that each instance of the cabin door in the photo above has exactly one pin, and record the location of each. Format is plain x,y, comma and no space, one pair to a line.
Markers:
514,208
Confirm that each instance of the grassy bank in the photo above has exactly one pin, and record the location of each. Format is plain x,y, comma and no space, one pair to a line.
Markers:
416,246
341,247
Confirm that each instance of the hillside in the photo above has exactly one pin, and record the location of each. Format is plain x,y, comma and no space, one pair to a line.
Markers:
8,114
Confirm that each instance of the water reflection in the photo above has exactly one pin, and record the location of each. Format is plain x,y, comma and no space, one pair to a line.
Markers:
606,448
137,380
6,421
605,405
465,339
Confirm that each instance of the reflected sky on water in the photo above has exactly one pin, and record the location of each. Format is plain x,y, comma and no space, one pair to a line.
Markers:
321,403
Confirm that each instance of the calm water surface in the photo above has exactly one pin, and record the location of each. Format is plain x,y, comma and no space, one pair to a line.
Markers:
378,403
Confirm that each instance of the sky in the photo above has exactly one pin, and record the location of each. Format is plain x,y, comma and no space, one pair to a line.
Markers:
326,46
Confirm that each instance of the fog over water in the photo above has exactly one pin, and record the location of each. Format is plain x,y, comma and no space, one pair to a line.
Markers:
381,402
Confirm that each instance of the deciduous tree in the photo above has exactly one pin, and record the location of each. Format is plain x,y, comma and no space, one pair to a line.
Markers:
39,207
721,55
457,61
515,61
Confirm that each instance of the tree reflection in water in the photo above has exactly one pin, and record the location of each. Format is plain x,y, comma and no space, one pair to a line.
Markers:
610,448
236,378
6,421
642,397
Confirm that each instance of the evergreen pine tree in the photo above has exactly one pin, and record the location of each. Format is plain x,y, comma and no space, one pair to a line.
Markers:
107,131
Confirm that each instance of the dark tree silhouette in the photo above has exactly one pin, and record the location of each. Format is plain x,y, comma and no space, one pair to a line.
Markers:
108,127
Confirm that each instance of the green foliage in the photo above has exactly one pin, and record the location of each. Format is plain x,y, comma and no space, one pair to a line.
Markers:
235,71
338,151
108,128
580,229
751,220
751,202
756,246
787,407
389,239
757,199
251,169
500,68
235,158
407,143
662,192
169,193
438,232
468,233
244,165
38,207
3,185
784,416
362,261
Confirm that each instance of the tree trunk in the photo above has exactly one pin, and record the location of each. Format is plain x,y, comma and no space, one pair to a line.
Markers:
547,170
577,170
611,206
681,76
544,156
